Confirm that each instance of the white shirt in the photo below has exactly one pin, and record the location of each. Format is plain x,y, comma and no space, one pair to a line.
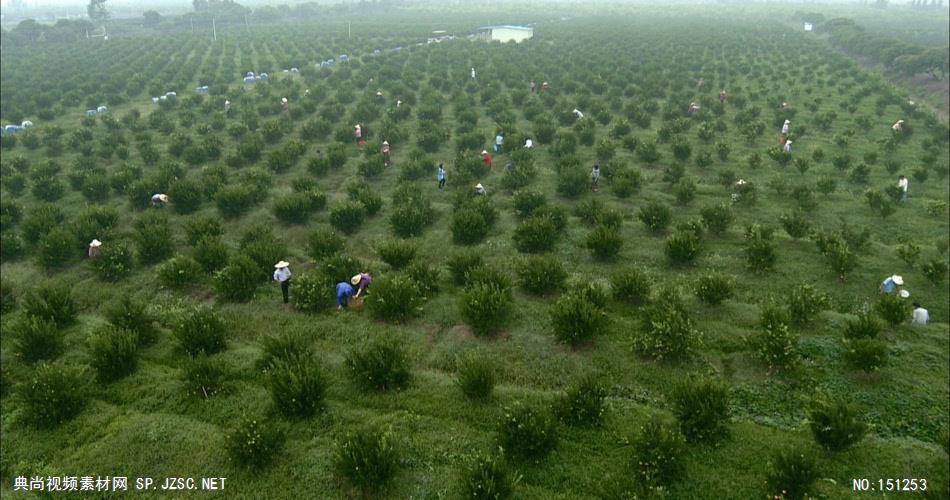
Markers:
921,316
499,140
528,144
902,184
282,274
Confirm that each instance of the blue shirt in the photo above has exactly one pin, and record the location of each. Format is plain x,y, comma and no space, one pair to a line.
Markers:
888,285
439,174
343,292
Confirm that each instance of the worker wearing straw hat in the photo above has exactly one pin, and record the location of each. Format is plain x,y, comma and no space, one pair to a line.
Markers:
898,127
344,291
358,134
361,281
386,150
785,127
480,190
283,103
93,251
891,284
486,158
159,200
282,275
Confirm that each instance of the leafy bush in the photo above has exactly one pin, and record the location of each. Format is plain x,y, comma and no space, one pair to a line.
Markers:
348,216
179,272
238,281
408,219
476,376
54,395
367,458
114,353
804,303
526,202
235,200
131,314
891,308
631,286
398,254
701,407
714,288
295,208
56,248
468,227
36,339
381,365
717,218
576,320
297,387
796,224
667,331
486,307
489,478
395,298
542,274
791,474
656,216
312,292
341,267
114,261
211,254
461,263
362,192
52,301
582,404
287,346
188,194
527,433
935,270
201,331
685,191
571,182
253,443
759,248
323,243
657,457
867,354
604,242
536,234
153,237
205,376
682,247
777,345
835,425
864,326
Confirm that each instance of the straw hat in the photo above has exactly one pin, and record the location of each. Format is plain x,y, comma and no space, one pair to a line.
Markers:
484,151
900,121
386,143
905,294
356,126
95,243
281,264
163,197
283,99
787,122
899,281
479,186
740,182
355,280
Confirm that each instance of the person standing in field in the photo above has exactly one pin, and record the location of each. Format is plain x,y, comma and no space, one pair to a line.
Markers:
284,104
282,276
544,87
787,147
386,150
93,250
440,174
159,200
473,74
480,190
227,107
898,127
902,185
486,158
692,108
594,178
785,128
921,316
499,140
722,96
531,86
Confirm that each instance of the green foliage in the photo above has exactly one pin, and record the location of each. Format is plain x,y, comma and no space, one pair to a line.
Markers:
835,425
804,303
527,433
657,456
864,326
714,288
367,458
179,272
717,218
323,243
575,320
56,248
312,292
583,403
113,353
935,270
542,274
36,339
777,345
410,217
476,376
53,395
131,314
759,248
796,224
348,216
381,365
701,407
536,234
398,254
51,301
631,286
656,216
791,474
682,248
205,376
253,443
866,354
667,331
238,281
211,254
604,242
395,298
489,477
297,387
892,308
468,227
153,238
572,181
201,331
486,307
526,202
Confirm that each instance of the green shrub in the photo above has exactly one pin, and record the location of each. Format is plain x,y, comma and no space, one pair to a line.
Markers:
583,403
476,376
201,331
52,301
657,458
865,326
604,242
348,216
367,458
211,254
526,202
866,354
835,425
536,234
179,272
527,433
188,195
253,443
294,208
701,407
57,248
759,248
714,288
572,181
489,478
234,200
7,297
778,346
131,314
685,191
410,218
40,220
113,353
287,346
238,281
655,216
791,474
468,227
575,320
631,286
395,298
542,274
53,395
682,248
804,303
202,226
381,365
594,291
114,261
398,254
486,307
892,309
667,331
37,339
323,243
341,267
461,263
312,292
205,376
297,387
262,246
153,237
361,192
935,270
796,224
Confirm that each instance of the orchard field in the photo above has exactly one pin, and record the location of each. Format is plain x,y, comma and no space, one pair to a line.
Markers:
675,334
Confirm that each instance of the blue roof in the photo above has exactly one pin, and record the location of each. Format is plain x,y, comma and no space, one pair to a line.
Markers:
507,26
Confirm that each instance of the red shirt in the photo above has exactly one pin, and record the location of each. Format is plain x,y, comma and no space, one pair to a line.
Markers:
486,159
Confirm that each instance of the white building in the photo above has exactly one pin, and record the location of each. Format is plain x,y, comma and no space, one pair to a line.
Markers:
505,33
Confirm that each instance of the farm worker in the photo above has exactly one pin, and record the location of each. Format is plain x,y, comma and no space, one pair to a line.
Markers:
440,174
891,283
283,103
93,251
509,167
358,134
898,127
785,127
282,275
473,73
361,281
528,144
788,147
486,158
578,113
386,150
902,185
227,107
398,103
784,105
692,108
531,86
379,95
544,86
722,96
306,92
480,190
499,140
594,177
343,293
159,200
921,316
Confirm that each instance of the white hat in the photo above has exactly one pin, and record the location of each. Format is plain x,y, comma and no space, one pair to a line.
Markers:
356,126
899,281
788,142
905,294
283,99
163,197
740,182
479,186
281,264
356,279
386,143
95,243
786,121
484,152
379,92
